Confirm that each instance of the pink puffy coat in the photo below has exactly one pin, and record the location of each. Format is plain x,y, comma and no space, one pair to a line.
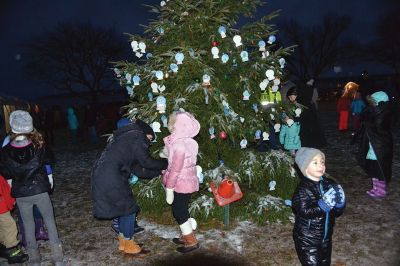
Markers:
182,155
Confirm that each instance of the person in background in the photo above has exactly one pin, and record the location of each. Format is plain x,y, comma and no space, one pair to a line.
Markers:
376,150
126,153
316,203
27,162
343,108
357,107
73,123
290,130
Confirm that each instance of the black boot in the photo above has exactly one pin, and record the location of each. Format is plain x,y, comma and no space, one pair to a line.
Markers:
13,254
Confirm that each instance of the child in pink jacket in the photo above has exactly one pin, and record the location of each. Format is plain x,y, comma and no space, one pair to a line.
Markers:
180,178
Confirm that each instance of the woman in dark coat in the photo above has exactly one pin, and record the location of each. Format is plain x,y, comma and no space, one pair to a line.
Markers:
376,150
112,195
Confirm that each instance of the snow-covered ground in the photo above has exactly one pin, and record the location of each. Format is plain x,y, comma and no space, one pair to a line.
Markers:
367,234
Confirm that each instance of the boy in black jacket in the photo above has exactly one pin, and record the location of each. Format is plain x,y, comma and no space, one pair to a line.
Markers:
316,203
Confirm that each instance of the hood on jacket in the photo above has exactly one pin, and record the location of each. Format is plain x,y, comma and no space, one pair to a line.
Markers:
380,96
138,126
70,111
147,130
185,125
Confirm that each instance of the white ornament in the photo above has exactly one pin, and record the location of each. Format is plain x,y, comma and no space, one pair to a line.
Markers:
163,3
215,52
272,116
265,136
241,119
243,144
199,173
277,127
270,74
245,56
297,112
138,54
174,67
272,185
289,122
264,84
246,95
277,82
275,88
282,62
206,80
135,45
156,127
142,47
237,40
264,55
161,88
164,120
154,87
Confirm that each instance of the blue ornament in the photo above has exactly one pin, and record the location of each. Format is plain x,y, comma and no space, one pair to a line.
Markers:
136,80
133,179
258,134
222,30
255,107
245,56
221,162
226,111
224,58
150,96
164,120
160,30
161,100
271,39
149,55
179,58
159,75
174,67
130,90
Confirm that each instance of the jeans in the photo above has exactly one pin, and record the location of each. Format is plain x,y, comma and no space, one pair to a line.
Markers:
126,225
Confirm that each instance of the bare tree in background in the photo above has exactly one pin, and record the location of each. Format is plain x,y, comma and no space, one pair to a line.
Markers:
386,48
318,48
75,58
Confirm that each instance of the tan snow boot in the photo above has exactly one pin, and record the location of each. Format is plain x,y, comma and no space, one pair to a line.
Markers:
131,247
122,242
190,243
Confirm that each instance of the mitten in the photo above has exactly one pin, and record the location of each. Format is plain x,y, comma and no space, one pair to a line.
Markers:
170,195
50,176
328,200
163,153
339,197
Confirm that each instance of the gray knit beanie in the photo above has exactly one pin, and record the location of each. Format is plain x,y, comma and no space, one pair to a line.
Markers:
304,157
21,122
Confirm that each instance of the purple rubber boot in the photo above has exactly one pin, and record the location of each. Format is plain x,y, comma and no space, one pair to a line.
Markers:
374,182
380,191
40,230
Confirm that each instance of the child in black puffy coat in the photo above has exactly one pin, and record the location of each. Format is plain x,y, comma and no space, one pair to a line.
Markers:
316,203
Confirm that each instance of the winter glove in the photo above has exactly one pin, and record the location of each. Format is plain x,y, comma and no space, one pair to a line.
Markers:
328,200
339,197
9,181
170,195
163,153
50,176
133,179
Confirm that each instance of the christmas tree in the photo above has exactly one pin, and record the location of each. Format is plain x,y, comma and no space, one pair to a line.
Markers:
192,58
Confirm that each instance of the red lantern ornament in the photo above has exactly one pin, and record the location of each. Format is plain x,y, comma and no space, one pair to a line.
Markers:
215,43
223,135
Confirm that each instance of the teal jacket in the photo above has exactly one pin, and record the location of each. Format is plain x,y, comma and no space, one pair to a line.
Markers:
289,136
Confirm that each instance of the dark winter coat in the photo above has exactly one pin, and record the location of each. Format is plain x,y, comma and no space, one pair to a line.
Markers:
377,122
313,228
126,153
311,131
26,167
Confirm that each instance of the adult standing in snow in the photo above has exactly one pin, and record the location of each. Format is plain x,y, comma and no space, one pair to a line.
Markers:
126,153
376,151
311,133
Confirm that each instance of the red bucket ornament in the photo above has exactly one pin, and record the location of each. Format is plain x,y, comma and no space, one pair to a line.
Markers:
227,192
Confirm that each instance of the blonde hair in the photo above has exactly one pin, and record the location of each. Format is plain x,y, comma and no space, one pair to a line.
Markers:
172,120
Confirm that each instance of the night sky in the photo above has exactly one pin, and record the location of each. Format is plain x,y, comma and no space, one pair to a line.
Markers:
20,20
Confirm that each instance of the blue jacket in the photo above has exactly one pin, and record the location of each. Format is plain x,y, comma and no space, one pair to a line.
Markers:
357,106
289,136
72,120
